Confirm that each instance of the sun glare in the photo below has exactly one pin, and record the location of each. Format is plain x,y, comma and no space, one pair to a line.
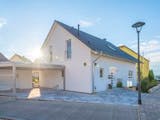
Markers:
36,53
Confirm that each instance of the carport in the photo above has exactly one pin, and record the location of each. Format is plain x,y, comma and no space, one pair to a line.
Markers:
15,76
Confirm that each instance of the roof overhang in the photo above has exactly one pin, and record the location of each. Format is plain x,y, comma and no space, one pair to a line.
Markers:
112,57
34,66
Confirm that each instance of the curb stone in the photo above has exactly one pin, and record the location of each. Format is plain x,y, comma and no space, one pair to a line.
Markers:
9,118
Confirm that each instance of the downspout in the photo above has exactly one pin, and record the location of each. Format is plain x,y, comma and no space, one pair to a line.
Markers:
93,63
64,79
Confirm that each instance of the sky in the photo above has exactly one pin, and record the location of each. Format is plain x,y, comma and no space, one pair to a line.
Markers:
24,24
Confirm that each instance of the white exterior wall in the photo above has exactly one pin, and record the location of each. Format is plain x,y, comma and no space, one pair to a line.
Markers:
24,79
123,68
6,79
50,79
47,78
77,76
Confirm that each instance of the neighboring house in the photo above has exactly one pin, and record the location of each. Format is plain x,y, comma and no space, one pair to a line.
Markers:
3,58
90,63
20,59
144,65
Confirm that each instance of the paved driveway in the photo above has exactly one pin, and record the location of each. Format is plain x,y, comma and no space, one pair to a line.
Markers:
114,96
56,110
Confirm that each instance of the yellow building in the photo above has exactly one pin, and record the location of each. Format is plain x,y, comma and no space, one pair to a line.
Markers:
144,65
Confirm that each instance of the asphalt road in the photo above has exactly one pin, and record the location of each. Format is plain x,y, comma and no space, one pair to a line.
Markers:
55,110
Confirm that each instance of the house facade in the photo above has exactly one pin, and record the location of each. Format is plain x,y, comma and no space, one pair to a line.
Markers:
90,63
72,60
144,65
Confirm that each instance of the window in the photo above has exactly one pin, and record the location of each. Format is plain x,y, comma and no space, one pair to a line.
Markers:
130,74
69,51
101,72
130,78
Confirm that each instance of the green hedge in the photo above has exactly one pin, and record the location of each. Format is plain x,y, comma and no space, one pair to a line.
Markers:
146,84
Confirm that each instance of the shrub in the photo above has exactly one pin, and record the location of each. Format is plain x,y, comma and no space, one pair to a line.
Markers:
151,75
152,83
146,84
119,84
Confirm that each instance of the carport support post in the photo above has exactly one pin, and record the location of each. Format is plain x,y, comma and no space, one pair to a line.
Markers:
64,79
14,79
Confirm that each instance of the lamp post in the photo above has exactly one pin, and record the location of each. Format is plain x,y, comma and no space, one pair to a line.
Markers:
138,26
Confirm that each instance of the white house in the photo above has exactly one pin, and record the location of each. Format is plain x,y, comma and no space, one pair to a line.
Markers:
72,60
90,63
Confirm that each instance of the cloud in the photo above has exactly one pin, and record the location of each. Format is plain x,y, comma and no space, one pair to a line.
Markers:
150,46
150,49
90,22
85,23
2,22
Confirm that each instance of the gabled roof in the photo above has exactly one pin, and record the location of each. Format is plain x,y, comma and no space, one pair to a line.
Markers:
3,58
97,44
22,59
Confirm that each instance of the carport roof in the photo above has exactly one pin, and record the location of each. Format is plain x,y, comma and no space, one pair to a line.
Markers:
31,66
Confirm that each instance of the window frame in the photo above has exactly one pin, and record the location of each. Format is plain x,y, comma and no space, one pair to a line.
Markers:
69,49
130,74
101,72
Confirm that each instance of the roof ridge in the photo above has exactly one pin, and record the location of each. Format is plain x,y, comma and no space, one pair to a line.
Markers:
79,30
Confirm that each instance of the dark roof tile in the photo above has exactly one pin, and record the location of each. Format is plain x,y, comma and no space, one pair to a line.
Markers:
97,44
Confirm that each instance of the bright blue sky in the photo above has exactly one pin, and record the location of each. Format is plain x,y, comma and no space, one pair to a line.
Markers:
25,24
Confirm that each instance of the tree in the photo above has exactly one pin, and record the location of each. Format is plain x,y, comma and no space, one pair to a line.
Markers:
151,75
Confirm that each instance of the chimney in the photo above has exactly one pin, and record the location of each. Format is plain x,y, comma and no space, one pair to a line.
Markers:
78,29
105,39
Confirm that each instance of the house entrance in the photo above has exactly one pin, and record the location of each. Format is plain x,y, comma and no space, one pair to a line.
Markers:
35,79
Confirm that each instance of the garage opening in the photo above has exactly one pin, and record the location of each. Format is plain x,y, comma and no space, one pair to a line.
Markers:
16,77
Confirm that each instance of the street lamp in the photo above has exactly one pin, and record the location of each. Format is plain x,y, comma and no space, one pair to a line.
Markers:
138,26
